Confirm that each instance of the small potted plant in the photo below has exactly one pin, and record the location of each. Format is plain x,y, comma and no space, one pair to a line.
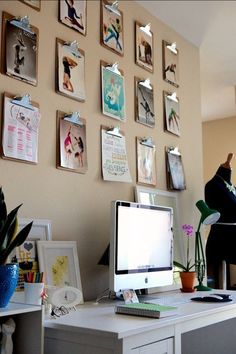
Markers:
10,238
186,274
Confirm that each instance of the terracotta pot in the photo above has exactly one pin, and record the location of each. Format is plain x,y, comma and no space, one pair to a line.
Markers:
187,280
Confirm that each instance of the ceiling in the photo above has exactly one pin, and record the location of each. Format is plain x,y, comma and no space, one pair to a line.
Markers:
211,26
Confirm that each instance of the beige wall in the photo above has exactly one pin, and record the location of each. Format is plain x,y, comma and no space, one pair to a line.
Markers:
218,140
79,205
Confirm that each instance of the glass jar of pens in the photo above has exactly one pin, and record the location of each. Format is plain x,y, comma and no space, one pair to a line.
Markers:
34,288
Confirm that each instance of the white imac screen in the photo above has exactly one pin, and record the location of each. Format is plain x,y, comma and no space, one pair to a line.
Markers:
144,240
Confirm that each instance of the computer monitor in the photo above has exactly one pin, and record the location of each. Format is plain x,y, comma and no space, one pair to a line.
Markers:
141,246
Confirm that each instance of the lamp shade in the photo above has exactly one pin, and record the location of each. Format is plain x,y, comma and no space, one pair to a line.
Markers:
208,216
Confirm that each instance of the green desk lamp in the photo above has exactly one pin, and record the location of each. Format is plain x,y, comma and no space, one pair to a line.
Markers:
208,217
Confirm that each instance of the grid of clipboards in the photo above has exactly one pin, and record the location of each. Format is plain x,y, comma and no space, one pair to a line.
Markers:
21,118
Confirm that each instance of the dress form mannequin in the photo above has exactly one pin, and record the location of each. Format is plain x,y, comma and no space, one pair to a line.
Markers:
220,194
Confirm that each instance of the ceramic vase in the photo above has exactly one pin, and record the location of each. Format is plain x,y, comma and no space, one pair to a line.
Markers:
187,280
8,282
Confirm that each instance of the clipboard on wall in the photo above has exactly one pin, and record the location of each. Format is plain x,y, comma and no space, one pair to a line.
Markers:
71,142
20,42
70,70
146,161
20,129
174,169
114,156
113,91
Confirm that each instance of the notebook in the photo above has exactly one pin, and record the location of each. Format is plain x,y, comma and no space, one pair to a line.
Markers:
146,310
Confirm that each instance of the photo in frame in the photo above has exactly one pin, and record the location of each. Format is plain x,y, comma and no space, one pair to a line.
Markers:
70,70
72,144
171,114
35,4
59,262
20,43
113,92
146,161
144,103
170,63
112,31
174,170
26,255
73,13
143,47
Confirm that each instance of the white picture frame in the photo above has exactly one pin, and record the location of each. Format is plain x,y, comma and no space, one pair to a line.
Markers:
41,229
59,262
153,196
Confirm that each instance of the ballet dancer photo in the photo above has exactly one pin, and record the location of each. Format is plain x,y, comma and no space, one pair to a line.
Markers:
170,65
73,14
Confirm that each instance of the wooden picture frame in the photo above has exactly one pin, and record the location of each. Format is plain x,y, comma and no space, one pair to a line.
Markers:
74,15
70,70
153,196
59,262
112,30
113,92
20,130
146,162
174,170
19,49
34,4
170,64
71,144
143,47
171,113
144,103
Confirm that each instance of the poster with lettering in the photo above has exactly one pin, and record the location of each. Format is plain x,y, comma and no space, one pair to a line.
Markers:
114,157
20,131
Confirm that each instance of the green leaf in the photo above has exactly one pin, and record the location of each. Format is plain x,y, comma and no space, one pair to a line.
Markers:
5,236
18,240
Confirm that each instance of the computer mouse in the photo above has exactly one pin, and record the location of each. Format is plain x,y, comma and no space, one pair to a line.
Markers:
211,298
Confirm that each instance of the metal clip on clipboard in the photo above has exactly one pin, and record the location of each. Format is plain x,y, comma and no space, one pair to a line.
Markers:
23,23
23,101
114,131
147,142
73,48
173,97
73,118
113,8
172,48
146,83
114,68
146,29
174,151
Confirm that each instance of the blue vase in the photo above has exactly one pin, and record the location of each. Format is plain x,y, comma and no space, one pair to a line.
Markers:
8,282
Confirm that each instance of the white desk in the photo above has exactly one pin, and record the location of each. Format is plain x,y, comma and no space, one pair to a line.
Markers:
96,329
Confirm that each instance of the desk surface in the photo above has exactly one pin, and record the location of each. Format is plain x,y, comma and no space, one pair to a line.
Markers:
100,319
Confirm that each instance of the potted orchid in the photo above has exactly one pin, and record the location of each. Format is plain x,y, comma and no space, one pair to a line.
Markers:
186,273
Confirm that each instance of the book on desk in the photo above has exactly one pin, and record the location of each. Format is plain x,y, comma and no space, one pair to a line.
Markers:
146,310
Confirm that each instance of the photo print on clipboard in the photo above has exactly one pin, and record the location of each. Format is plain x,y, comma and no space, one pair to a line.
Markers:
73,13
144,46
174,168
170,63
113,91
146,161
144,105
20,41
70,71
112,31
72,143
171,113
